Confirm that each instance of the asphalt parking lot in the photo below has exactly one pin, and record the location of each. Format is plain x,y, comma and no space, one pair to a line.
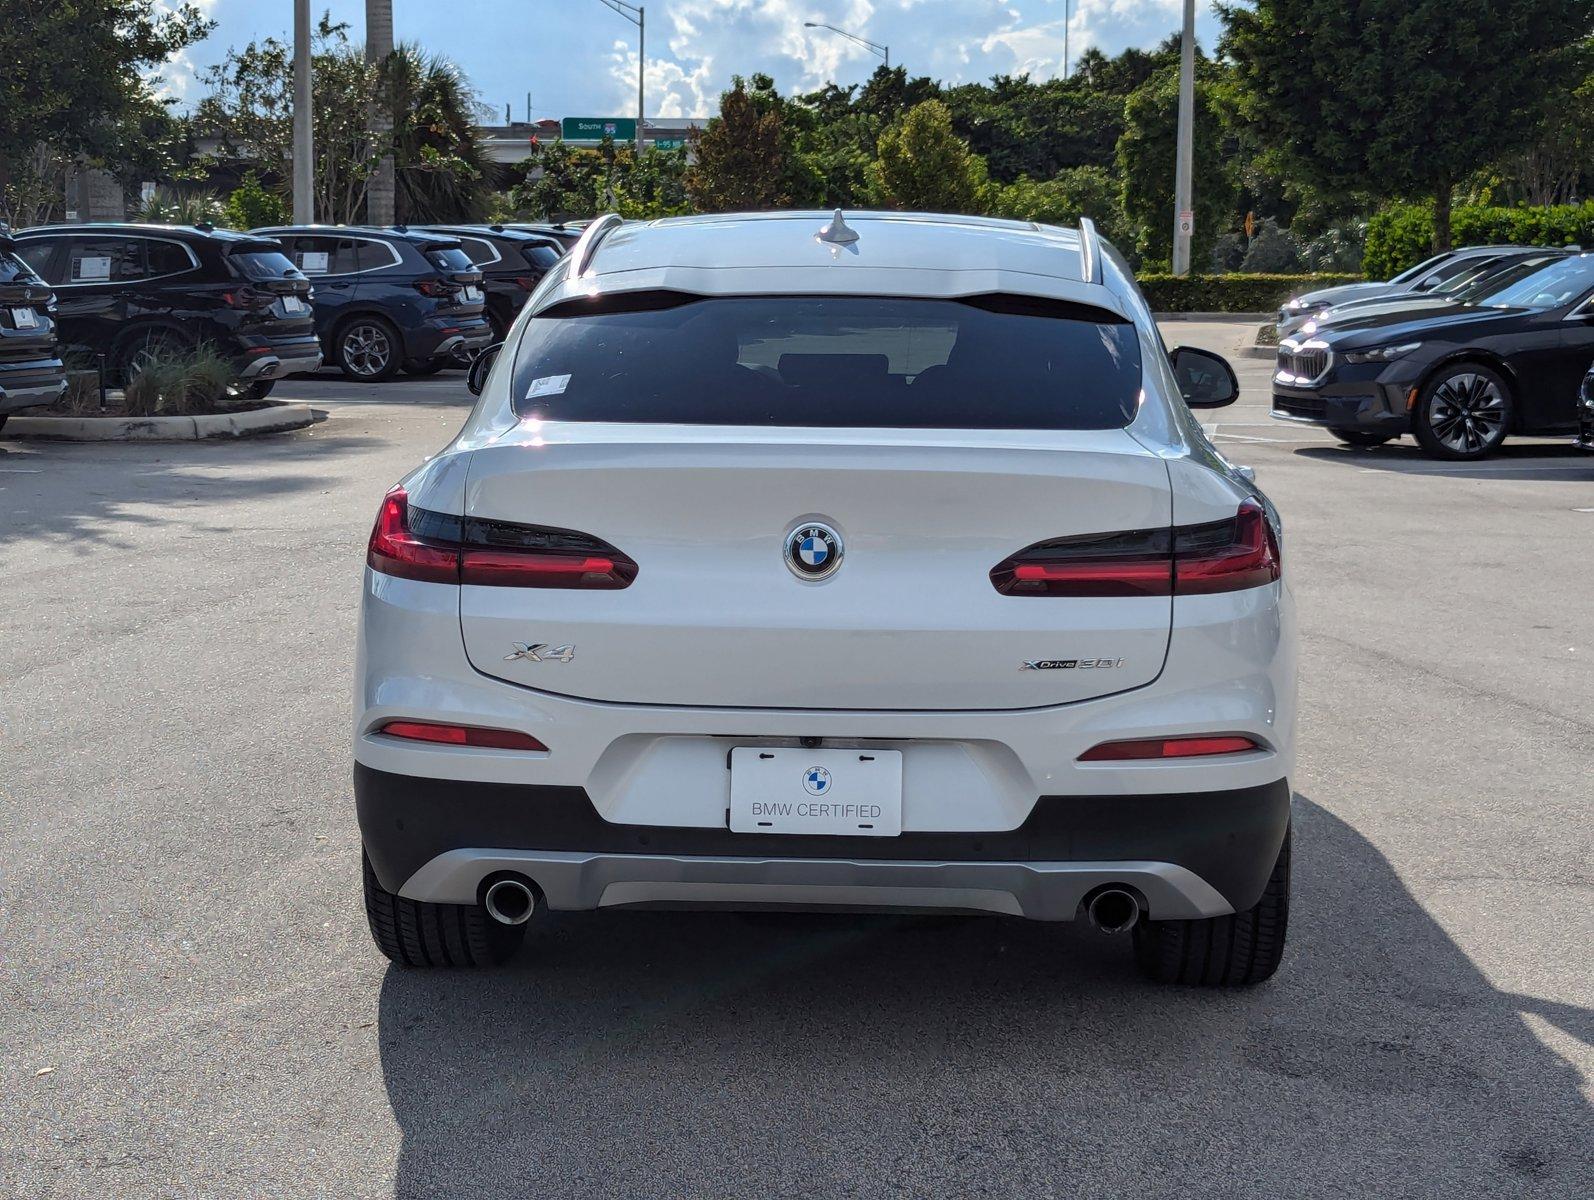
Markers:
190,1004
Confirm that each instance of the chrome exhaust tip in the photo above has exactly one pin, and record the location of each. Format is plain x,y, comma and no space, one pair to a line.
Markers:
1113,910
510,901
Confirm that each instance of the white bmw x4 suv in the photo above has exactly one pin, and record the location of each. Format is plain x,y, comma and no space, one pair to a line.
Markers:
870,563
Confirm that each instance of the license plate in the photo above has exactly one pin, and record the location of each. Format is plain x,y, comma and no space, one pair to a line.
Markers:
850,793
24,318
292,306
472,294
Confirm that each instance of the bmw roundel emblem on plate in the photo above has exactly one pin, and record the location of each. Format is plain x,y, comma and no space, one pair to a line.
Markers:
816,781
813,550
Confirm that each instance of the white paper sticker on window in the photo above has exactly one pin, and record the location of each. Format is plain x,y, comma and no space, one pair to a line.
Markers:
313,262
548,385
90,269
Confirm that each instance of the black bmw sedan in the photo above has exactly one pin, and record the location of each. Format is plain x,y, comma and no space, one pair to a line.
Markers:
1460,377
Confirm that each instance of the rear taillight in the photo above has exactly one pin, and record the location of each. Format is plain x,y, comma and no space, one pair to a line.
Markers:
526,283
437,548
436,288
248,298
461,735
1179,747
1219,556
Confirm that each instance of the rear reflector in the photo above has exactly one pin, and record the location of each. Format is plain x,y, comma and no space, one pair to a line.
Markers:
1182,747
1219,556
461,735
438,548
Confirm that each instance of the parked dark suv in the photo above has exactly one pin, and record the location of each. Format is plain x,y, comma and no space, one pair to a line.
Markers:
30,365
133,291
389,298
512,263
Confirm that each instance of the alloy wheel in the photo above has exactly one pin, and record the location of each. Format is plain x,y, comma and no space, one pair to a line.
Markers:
1467,412
367,350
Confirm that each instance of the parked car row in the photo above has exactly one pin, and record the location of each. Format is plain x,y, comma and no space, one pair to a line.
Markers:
1459,372
371,301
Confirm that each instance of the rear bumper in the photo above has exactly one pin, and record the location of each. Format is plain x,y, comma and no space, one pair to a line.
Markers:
30,385
1191,854
448,337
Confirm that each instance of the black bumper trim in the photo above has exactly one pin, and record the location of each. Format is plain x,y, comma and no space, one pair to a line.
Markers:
1229,838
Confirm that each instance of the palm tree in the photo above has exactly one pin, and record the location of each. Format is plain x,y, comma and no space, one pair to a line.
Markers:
378,48
443,169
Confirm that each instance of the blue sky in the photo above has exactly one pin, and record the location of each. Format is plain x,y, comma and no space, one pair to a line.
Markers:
577,58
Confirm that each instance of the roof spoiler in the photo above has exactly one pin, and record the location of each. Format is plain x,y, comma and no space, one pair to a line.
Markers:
583,251
1089,251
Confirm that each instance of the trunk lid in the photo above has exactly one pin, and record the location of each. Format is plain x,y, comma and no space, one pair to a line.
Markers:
909,619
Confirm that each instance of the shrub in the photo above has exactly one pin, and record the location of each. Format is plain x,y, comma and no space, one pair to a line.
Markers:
1273,251
180,208
1402,234
200,381
252,205
1230,293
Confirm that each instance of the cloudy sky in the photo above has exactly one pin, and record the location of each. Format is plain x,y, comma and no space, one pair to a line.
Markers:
577,58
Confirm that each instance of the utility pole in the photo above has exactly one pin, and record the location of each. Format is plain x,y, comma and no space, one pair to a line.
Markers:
637,16
1067,5
1184,214
378,48
303,124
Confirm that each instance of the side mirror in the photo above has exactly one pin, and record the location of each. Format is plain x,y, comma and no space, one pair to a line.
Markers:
1205,379
476,377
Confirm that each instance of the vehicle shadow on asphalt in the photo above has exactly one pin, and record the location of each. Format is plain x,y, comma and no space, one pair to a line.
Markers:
160,478
664,1054
1552,461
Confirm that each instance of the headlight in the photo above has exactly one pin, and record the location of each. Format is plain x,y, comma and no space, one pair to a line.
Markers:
1380,354
1300,304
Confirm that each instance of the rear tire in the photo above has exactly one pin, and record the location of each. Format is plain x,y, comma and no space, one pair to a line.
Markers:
414,933
423,366
258,389
1463,412
1233,951
368,349
146,345
1356,437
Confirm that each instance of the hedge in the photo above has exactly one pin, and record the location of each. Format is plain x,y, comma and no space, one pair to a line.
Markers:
1231,293
1402,234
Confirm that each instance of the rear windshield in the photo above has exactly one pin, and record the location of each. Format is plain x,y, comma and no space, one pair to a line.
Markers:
451,259
541,255
987,363
13,268
263,264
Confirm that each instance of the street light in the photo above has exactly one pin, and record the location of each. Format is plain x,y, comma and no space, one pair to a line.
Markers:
637,16
1183,207
883,51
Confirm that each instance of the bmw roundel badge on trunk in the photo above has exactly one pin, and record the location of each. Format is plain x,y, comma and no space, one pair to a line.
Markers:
813,551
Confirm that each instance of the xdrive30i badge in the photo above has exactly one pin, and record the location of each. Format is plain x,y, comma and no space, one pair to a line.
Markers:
1071,664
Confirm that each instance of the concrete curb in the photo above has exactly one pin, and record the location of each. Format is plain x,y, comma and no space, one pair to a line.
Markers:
276,417
1213,316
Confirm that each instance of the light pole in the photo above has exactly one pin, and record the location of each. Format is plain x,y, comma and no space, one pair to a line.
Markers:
303,127
1067,5
637,15
379,188
1184,215
883,51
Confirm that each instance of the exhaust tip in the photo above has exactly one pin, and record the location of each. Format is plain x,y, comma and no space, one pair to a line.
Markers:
1113,909
510,901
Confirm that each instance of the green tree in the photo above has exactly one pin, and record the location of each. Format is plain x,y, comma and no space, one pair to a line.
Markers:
1401,97
561,182
440,165
1146,168
925,167
741,157
1074,193
75,80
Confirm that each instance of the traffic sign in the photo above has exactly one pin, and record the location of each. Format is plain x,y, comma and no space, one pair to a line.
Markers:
595,129
1187,222
668,143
